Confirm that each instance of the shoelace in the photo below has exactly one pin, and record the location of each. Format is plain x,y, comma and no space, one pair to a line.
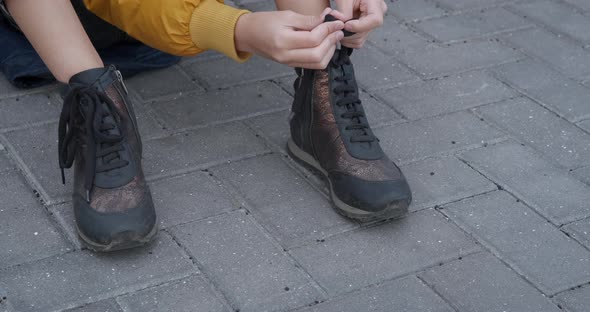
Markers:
350,100
92,112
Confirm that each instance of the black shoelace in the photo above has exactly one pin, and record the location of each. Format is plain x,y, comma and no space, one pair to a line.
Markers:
349,99
88,116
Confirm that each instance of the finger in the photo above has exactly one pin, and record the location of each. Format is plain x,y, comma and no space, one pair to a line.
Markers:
345,9
354,43
304,22
310,39
372,19
321,65
341,16
317,54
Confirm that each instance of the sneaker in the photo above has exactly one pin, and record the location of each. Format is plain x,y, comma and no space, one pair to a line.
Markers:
97,127
330,133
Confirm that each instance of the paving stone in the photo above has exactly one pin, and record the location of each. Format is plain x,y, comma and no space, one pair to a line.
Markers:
37,147
187,295
26,233
431,136
188,198
236,255
472,25
527,242
482,283
583,174
434,61
394,38
582,4
575,300
164,82
64,216
204,146
275,127
5,162
414,10
556,138
80,277
101,306
580,231
258,6
375,70
217,106
585,125
552,192
282,200
360,258
407,294
147,125
561,53
446,95
7,90
225,72
562,95
438,181
470,4
22,110
558,16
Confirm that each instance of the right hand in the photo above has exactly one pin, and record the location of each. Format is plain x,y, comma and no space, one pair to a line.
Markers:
289,38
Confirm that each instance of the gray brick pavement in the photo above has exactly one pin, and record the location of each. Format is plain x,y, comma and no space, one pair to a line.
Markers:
454,89
472,25
481,282
575,300
548,87
555,193
406,294
525,240
442,96
556,138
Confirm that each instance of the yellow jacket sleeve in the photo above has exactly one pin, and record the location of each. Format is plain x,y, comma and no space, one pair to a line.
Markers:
179,27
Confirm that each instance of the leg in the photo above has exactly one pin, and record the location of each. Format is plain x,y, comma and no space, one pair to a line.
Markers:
309,7
54,30
112,202
330,133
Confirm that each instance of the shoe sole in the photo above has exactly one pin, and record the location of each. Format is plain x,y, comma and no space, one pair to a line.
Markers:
393,211
120,242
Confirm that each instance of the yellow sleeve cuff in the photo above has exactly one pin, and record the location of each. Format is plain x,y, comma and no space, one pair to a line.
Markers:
212,26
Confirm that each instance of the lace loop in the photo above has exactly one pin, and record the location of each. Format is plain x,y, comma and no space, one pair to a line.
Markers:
348,98
90,117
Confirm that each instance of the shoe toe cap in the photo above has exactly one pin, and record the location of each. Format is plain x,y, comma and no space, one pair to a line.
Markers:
110,231
370,196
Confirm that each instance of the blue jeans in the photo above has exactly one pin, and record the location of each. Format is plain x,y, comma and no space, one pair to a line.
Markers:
23,67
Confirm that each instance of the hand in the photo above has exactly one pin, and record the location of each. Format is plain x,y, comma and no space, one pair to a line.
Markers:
289,38
370,16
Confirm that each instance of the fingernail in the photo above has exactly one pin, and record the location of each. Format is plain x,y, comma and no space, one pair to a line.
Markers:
340,35
348,27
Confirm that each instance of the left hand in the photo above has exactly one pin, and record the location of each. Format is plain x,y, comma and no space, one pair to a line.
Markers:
370,16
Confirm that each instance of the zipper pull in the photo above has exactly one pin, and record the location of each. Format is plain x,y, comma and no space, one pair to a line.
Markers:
120,78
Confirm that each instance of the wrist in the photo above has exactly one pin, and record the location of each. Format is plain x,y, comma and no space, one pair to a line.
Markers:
241,33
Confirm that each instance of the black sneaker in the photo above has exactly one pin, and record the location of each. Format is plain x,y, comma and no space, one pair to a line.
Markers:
330,133
97,127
